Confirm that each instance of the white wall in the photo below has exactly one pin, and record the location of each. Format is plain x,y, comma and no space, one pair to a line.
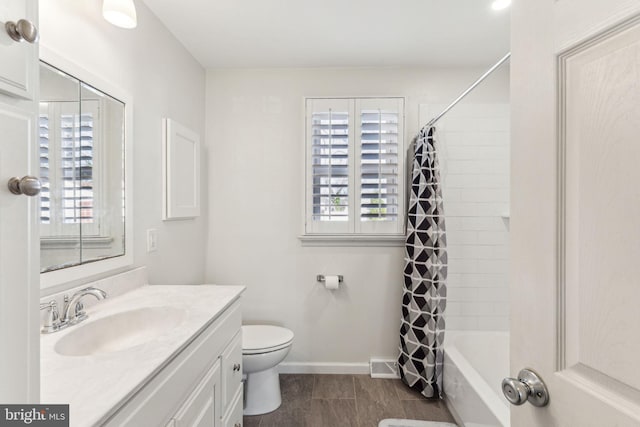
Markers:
164,81
255,134
474,144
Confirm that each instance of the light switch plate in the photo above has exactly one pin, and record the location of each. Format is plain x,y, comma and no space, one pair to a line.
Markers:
152,240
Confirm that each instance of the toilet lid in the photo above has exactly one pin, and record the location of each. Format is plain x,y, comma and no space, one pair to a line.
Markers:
264,337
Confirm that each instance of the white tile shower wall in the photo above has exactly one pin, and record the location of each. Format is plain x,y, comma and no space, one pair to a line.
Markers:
474,155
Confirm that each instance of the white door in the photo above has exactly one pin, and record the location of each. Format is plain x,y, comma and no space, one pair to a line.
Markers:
19,245
575,275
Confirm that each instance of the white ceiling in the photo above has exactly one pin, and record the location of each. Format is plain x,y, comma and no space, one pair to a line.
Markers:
337,33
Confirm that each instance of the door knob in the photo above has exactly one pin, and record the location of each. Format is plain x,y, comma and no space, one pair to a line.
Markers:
23,30
27,185
527,387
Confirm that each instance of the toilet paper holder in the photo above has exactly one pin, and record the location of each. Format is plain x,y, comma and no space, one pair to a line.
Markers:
320,278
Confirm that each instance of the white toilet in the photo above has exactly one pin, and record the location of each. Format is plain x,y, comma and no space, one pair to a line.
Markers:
263,348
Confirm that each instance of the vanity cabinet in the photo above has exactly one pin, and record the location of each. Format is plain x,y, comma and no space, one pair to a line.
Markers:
232,396
231,371
200,409
200,386
219,395
233,417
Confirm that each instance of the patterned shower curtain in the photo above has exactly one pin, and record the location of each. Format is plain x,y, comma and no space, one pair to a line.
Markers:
425,273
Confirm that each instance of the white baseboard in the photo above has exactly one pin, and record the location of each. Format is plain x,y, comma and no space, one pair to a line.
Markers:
323,368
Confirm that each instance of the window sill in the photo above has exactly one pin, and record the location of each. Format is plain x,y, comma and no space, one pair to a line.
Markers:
352,240
72,242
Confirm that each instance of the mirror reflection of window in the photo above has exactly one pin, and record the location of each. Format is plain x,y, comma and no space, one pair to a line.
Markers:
81,132
69,140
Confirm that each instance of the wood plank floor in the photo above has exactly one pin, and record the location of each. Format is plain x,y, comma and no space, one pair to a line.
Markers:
346,401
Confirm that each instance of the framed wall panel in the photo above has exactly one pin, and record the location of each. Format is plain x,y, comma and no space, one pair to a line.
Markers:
181,171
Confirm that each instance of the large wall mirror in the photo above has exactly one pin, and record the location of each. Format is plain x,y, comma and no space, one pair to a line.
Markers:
83,130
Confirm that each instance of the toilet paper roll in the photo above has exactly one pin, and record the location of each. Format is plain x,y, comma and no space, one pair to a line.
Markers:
331,282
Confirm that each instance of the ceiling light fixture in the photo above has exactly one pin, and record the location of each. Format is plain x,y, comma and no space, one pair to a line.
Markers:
500,4
121,13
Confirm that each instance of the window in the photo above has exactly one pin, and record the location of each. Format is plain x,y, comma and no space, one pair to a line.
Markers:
354,167
68,141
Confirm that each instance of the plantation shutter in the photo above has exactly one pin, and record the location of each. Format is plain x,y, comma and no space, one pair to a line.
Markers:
380,169
83,168
330,131
68,134
354,166
67,152
44,143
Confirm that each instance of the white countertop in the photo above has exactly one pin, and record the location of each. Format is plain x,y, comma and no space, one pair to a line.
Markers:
96,386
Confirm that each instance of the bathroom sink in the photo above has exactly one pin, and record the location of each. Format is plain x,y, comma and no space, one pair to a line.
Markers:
119,331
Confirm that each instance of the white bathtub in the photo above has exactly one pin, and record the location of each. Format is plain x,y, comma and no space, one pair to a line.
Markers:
475,363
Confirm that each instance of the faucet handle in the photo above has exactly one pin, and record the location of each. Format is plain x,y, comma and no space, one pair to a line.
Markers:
53,322
78,309
80,314
51,305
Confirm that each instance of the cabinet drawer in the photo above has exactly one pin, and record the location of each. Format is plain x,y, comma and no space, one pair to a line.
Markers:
233,417
231,370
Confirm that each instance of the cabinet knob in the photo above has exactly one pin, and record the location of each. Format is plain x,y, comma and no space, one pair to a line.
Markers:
27,185
22,31
236,366
237,425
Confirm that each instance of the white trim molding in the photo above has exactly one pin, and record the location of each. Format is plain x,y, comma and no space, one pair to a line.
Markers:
352,240
323,368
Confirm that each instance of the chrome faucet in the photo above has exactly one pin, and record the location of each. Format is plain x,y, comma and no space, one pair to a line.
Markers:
75,306
52,322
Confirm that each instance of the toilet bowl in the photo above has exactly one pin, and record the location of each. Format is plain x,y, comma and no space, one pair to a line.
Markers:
263,348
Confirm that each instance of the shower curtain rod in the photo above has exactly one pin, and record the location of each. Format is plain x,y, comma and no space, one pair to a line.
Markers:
472,87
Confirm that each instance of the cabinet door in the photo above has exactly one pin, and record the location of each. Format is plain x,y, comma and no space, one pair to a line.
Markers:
202,407
19,247
19,60
233,417
18,277
231,370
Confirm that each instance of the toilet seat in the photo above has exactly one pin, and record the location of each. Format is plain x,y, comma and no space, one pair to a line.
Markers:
259,339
